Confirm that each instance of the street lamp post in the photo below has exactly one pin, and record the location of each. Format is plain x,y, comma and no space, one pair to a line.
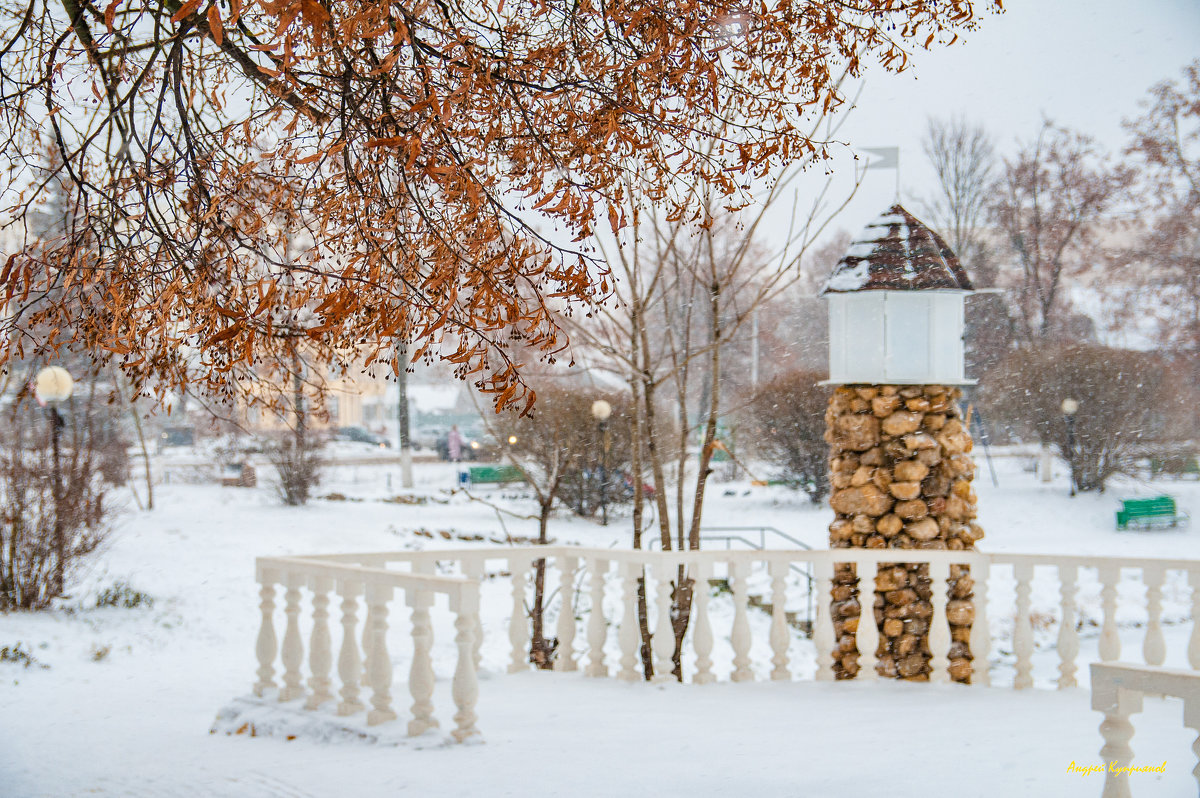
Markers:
601,410
53,385
1069,408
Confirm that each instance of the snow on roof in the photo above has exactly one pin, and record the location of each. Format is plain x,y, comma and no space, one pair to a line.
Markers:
897,252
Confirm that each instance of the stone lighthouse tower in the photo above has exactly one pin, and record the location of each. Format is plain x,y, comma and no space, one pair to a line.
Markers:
899,451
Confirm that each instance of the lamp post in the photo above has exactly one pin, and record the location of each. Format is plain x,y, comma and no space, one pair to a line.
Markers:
601,410
1069,408
53,385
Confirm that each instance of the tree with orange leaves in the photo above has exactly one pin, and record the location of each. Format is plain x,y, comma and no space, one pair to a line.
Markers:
445,164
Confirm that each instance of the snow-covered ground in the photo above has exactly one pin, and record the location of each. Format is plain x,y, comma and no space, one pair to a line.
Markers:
124,704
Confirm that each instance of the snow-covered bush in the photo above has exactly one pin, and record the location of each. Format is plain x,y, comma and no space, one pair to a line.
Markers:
789,419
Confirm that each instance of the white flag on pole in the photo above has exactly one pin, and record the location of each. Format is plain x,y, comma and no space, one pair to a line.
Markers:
886,157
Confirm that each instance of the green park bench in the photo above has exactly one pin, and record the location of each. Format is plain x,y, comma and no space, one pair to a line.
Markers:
498,474
1158,511
1176,466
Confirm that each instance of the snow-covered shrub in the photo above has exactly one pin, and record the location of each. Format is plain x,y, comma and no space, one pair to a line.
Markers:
121,594
297,466
1128,403
35,563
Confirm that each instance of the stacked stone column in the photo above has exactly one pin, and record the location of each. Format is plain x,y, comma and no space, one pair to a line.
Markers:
901,474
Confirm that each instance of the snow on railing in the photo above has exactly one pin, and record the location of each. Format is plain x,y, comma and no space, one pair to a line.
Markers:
600,632
1117,691
373,663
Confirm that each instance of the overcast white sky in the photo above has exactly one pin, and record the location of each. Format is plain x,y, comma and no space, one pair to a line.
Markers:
1083,63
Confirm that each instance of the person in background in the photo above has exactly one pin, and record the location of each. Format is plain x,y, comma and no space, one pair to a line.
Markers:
454,444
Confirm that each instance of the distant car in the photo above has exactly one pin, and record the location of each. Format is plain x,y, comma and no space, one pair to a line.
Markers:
176,436
360,435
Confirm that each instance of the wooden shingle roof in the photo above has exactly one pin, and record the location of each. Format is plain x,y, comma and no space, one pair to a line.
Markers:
897,252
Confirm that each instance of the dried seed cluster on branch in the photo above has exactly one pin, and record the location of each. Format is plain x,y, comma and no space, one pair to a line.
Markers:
247,173
901,475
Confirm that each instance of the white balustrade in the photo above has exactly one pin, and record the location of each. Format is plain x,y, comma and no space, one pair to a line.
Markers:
292,652
740,635
320,646
564,656
1068,636
702,635
939,624
352,580
1154,648
597,631
1022,626
363,584
823,638
1110,643
663,639
1117,691
867,635
780,636
629,634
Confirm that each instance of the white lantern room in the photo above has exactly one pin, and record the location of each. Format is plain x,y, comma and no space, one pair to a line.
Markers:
896,307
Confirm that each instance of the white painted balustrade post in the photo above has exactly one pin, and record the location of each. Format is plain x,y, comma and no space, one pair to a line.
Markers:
266,646
1191,719
1154,647
597,630
473,569
780,638
292,652
320,647
1068,636
379,662
702,636
628,634
981,633
822,633
518,627
663,639
349,661
564,654
939,624
420,675
1117,704
1022,627
1193,650
740,635
1110,642
866,637
465,687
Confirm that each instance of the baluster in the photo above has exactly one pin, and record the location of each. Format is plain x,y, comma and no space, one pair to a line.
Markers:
292,653
349,661
981,633
465,687
597,632
1191,719
628,634
822,634
779,628
564,659
939,624
663,640
473,569
1110,643
420,675
1154,648
866,637
379,662
518,629
1068,637
1022,628
1117,731
740,636
1193,641
320,649
266,646
702,637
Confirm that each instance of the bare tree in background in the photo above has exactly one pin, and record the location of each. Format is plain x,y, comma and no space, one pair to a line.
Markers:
1051,197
